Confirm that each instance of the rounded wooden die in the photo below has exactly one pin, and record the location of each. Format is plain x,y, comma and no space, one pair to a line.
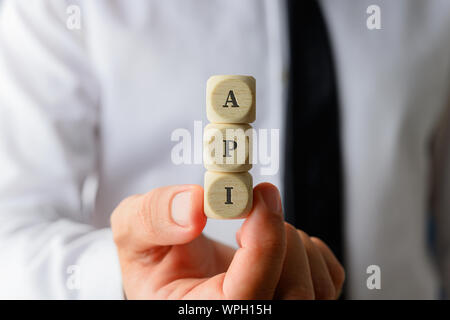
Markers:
231,99
228,195
227,147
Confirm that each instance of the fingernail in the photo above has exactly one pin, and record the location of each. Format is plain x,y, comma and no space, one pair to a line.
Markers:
271,197
181,208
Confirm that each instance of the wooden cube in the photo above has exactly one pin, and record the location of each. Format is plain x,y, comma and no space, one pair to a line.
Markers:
227,147
231,99
228,195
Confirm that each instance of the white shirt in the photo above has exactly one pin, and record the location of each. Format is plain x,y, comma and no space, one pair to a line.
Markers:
100,104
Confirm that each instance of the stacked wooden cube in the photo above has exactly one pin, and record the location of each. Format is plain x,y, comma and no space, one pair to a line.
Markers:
227,145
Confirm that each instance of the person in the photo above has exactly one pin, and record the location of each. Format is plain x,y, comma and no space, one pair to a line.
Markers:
92,205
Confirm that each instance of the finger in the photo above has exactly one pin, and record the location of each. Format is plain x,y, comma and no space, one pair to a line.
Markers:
164,216
238,238
295,281
335,269
224,255
323,284
257,264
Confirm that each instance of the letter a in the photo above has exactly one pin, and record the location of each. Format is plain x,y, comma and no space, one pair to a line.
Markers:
374,280
374,20
74,19
231,99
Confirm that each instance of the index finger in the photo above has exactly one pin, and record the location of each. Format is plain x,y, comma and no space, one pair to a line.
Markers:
256,267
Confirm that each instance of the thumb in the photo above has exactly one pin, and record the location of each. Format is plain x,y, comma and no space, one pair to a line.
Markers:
164,216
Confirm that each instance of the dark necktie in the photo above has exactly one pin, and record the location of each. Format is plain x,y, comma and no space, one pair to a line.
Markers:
313,177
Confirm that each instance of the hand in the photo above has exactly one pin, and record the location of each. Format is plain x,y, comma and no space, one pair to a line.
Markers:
163,254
